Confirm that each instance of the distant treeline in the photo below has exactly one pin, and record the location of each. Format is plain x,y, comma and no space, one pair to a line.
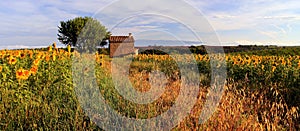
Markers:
246,49
242,49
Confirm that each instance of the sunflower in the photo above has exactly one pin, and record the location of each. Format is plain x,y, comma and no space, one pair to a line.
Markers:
54,57
22,74
17,53
1,55
274,64
30,54
47,57
19,74
36,62
255,61
33,70
239,60
12,60
235,62
26,74
281,61
247,58
49,48
1,68
40,55
22,55
259,60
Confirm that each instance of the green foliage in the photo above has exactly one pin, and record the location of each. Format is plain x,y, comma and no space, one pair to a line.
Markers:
104,51
153,51
275,51
198,50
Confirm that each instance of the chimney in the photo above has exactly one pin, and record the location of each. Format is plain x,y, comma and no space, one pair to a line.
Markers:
130,34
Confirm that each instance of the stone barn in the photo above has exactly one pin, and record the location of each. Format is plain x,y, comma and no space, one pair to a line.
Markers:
126,44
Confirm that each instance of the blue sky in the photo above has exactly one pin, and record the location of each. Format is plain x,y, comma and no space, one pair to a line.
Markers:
33,23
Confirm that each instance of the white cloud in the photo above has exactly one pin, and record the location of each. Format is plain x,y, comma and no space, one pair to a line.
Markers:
39,19
278,43
34,22
271,34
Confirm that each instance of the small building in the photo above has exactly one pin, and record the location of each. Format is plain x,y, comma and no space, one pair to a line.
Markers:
121,45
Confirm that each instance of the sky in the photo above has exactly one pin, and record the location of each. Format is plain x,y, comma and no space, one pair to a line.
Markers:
34,23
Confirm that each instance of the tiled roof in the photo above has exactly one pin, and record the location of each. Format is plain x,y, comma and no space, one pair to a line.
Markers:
121,39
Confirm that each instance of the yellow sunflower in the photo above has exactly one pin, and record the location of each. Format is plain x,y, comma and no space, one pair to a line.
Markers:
49,48
22,74
47,57
17,53
12,60
22,55
36,62
33,70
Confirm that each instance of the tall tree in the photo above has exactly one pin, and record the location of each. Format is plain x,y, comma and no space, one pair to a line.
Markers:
82,32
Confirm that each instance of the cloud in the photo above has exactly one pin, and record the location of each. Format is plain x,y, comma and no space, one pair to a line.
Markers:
249,14
33,22
278,43
271,34
39,19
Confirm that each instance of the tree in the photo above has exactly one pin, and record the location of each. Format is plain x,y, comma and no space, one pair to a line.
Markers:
85,33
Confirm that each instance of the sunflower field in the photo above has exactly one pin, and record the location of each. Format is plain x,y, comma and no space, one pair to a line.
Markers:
37,93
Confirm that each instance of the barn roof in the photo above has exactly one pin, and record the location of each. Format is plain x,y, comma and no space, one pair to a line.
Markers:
121,39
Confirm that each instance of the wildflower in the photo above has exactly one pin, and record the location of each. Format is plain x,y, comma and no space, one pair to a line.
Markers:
1,68
12,60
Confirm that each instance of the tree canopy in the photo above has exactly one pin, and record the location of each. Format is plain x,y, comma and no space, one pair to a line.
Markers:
83,33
